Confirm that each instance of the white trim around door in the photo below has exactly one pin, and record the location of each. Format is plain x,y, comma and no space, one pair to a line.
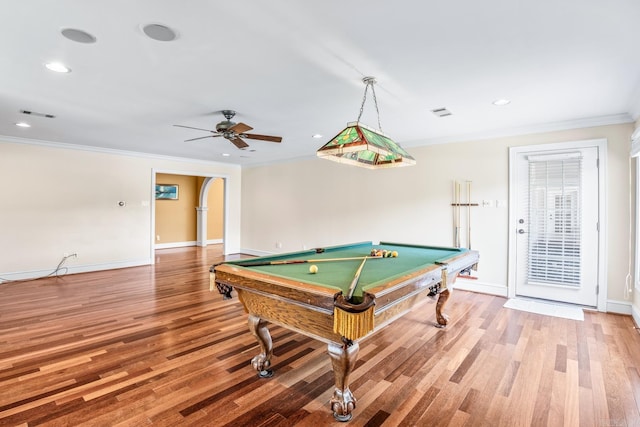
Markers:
514,154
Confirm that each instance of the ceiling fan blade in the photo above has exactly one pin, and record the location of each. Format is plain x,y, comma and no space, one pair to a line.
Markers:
189,127
238,142
202,137
240,128
262,137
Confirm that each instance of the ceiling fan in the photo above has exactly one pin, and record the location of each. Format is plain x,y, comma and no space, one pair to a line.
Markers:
232,131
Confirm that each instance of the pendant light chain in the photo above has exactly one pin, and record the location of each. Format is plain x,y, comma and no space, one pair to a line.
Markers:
369,81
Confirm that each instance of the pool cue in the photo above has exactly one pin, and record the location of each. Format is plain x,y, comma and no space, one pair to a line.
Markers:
455,229
304,261
469,214
354,282
458,213
456,219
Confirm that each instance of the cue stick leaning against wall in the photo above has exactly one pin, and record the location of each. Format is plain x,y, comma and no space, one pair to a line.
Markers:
469,214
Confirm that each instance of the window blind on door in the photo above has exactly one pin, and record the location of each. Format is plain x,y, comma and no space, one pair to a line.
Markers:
555,219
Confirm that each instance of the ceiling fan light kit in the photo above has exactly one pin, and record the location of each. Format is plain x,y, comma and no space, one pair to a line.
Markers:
360,145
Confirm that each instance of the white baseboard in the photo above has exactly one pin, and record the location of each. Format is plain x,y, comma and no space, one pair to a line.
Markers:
72,269
619,307
174,245
635,314
185,244
256,252
480,287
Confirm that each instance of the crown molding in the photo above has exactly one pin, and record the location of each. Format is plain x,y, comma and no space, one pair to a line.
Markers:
614,119
112,151
634,110
496,133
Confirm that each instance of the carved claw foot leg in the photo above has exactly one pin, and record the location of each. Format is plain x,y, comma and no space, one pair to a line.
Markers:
343,360
442,318
262,362
342,404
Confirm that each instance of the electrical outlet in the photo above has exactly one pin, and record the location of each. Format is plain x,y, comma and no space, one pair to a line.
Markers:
158,238
279,245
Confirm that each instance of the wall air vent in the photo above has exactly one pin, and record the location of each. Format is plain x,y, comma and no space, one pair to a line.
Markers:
33,113
441,112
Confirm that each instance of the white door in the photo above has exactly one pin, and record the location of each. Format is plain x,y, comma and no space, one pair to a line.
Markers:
556,230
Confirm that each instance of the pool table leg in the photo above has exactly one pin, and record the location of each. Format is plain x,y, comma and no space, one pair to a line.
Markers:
261,362
442,318
343,360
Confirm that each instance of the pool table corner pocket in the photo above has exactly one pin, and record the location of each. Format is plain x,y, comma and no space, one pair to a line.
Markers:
353,321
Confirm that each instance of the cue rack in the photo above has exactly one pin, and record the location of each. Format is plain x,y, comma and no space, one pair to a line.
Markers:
457,205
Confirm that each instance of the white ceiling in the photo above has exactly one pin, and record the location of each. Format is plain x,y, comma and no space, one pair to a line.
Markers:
294,69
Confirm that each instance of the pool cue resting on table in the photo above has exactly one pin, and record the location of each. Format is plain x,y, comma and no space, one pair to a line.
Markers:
291,261
354,282
303,261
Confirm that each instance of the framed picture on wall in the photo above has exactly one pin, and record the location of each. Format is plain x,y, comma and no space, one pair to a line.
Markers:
166,192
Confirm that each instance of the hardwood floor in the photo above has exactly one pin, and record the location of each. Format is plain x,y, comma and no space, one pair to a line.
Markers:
152,346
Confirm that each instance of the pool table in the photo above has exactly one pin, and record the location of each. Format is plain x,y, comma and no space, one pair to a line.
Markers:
282,290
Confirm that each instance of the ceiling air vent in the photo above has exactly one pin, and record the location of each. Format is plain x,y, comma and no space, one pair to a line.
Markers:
441,112
33,113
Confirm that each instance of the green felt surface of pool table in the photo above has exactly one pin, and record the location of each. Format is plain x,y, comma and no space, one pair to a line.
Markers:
339,274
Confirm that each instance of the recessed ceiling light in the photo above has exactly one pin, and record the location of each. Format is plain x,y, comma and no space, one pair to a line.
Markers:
225,154
23,125
501,102
58,67
78,35
159,32
316,135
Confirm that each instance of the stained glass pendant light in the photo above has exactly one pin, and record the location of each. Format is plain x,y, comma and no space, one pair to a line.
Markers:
360,145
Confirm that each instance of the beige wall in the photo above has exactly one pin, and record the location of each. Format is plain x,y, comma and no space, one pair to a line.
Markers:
316,203
57,200
65,201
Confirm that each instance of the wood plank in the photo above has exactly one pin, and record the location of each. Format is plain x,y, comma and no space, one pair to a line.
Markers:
152,346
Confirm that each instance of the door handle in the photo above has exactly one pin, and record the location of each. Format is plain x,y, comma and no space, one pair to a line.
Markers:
521,231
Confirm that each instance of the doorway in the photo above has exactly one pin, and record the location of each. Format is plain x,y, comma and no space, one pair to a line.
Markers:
195,216
556,233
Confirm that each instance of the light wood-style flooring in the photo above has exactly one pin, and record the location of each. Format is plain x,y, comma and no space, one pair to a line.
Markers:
152,346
